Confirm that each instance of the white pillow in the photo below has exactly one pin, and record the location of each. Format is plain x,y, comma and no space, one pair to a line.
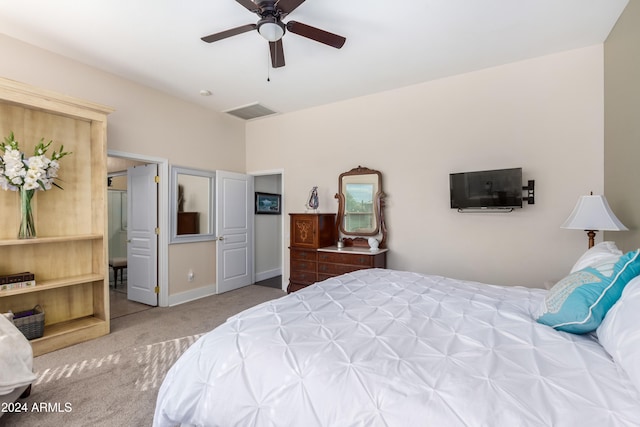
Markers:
619,332
603,252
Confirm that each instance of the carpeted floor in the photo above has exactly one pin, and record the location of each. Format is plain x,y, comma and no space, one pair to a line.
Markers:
114,380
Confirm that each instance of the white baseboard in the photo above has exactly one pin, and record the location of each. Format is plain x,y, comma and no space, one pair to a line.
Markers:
264,275
192,295
205,291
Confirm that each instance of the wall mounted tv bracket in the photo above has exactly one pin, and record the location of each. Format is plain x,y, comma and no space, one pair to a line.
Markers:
530,189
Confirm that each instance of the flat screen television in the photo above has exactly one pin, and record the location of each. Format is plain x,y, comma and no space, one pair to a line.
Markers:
500,188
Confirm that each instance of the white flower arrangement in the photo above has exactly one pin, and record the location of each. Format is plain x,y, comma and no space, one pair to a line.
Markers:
33,173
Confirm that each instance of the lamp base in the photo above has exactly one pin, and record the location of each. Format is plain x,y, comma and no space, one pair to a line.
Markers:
591,234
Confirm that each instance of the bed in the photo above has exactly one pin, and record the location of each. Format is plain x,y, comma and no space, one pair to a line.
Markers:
382,347
16,362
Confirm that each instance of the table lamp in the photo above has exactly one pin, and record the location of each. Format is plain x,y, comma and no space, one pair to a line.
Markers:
592,213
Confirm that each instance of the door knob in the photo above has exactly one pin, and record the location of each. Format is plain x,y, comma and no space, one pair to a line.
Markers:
221,238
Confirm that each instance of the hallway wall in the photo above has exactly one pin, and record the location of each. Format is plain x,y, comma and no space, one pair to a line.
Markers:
268,232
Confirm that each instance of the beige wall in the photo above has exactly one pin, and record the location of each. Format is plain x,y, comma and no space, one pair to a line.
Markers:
193,258
545,115
146,122
622,125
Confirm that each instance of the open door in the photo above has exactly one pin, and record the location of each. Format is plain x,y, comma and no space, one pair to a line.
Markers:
234,228
142,240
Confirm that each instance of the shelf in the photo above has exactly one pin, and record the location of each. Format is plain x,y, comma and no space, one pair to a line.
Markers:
52,284
70,332
45,240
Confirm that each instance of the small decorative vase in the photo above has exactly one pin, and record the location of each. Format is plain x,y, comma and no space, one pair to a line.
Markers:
313,202
27,225
373,244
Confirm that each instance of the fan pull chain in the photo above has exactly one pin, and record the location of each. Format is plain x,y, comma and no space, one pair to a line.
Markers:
268,69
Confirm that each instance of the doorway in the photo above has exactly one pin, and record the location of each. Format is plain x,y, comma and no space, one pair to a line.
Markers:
117,165
269,233
117,247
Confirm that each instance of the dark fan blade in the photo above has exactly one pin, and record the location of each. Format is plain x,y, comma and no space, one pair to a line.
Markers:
249,5
277,54
316,34
288,6
228,33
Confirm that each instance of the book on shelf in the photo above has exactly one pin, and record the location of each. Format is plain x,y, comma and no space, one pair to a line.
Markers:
17,281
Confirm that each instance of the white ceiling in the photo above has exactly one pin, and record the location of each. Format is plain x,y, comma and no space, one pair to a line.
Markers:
390,44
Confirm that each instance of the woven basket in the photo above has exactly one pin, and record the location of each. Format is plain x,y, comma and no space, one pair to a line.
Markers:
30,322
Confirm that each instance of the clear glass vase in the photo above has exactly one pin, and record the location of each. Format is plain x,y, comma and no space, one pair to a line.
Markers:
27,224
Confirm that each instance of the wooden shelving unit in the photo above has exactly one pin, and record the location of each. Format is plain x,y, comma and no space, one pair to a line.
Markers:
69,256
45,240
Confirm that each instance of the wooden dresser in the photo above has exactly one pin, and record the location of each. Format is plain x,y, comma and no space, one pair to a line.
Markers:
188,223
308,233
314,256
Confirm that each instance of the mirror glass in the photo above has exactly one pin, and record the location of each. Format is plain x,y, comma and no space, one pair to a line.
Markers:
360,201
359,194
192,205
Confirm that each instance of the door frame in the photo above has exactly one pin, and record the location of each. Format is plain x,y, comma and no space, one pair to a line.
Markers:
163,218
283,224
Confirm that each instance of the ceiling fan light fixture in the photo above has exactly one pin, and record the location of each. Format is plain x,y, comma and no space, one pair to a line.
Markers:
271,29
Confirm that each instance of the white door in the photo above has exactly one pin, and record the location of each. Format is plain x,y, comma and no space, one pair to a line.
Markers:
142,240
234,228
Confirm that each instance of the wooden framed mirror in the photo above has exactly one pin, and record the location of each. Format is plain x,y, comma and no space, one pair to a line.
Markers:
361,207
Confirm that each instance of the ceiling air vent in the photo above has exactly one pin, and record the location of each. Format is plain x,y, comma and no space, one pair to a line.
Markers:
251,111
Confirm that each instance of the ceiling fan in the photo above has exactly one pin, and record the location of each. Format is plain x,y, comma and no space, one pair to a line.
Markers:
271,27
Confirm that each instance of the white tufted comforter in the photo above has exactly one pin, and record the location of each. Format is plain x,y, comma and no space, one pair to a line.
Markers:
16,363
389,348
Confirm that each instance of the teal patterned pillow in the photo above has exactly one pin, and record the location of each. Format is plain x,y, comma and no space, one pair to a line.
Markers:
579,302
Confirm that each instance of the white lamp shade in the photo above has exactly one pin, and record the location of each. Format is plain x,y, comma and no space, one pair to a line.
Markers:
271,31
593,213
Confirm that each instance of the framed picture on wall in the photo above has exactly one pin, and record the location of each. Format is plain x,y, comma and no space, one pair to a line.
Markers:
268,203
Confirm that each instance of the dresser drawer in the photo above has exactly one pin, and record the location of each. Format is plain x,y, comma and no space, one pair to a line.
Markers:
302,265
304,277
345,258
336,269
299,254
